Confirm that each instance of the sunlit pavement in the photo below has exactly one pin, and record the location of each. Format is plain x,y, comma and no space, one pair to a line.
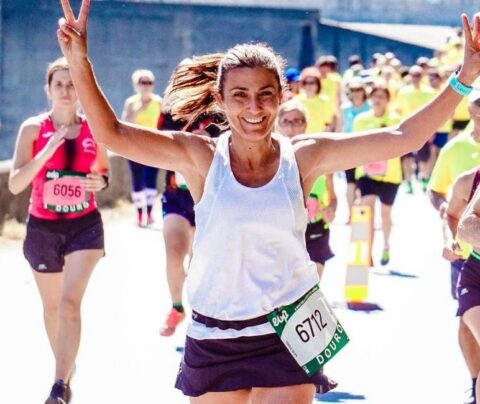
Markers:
407,352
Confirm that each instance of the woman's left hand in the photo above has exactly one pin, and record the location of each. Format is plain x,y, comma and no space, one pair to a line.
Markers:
470,69
94,182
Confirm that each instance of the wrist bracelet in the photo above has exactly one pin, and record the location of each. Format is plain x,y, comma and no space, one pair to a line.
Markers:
458,86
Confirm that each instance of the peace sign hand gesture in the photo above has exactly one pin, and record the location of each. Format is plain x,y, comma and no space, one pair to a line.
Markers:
72,32
471,61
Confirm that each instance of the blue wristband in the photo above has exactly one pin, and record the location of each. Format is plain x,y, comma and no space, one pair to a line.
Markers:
459,87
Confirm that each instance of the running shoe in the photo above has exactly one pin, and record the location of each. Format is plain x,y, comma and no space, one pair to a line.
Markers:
470,397
140,219
424,182
385,257
150,220
174,318
60,394
409,187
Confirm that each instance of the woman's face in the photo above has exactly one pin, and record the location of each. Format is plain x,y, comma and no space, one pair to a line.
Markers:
357,95
145,86
379,100
434,80
310,86
61,90
292,123
250,100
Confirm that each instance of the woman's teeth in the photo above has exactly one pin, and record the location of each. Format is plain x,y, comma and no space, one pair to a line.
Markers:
254,120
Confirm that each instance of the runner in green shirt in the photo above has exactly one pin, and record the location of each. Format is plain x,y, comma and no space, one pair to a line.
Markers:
457,157
322,201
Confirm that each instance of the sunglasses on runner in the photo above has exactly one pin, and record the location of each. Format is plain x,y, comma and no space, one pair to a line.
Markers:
145,82
297,122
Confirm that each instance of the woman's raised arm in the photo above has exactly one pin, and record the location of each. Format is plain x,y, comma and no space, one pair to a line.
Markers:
169,150
327,153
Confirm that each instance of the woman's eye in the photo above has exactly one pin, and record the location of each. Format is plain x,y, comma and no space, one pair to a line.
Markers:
239,95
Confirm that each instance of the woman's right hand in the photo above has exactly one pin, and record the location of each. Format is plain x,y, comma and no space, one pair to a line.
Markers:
452,251
72,32
55,141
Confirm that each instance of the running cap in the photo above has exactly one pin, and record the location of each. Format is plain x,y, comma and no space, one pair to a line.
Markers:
354,59
139,74
310,71
322,61
389,55
415,70
292,74
422,61
355,82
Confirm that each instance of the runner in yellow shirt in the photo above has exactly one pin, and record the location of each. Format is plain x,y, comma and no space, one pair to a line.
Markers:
330,79
380,179
441,136
143,108
321,116
409,99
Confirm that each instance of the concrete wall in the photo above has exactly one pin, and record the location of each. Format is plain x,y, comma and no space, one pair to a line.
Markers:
344,42
124,36
427,12
443,12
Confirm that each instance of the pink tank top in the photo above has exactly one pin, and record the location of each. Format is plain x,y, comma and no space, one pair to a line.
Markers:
57,190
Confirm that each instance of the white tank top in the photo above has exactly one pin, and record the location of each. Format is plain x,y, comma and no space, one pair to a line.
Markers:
249,254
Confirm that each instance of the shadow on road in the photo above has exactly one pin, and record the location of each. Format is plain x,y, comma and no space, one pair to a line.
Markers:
396,273
366,307
338,397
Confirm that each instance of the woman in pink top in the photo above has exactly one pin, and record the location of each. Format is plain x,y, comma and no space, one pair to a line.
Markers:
57,155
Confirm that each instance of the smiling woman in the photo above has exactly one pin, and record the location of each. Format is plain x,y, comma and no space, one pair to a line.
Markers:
249,187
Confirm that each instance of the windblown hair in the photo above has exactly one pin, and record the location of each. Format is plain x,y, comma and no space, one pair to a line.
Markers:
55,66
193,85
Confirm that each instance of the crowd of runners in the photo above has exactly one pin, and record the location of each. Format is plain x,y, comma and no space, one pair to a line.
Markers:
245,161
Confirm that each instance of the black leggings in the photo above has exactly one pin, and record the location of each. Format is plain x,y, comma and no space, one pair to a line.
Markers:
142,176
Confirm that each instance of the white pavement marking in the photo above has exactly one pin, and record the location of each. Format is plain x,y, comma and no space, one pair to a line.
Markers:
407,353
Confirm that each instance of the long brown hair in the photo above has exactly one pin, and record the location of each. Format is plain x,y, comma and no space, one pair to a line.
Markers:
193,85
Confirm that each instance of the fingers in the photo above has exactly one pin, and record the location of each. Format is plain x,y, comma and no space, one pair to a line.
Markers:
67,28
94,182
467,31
61,131
59,137
67,11
476,32
61,36
83,16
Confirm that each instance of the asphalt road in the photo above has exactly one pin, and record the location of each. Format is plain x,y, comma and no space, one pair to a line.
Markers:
406,352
